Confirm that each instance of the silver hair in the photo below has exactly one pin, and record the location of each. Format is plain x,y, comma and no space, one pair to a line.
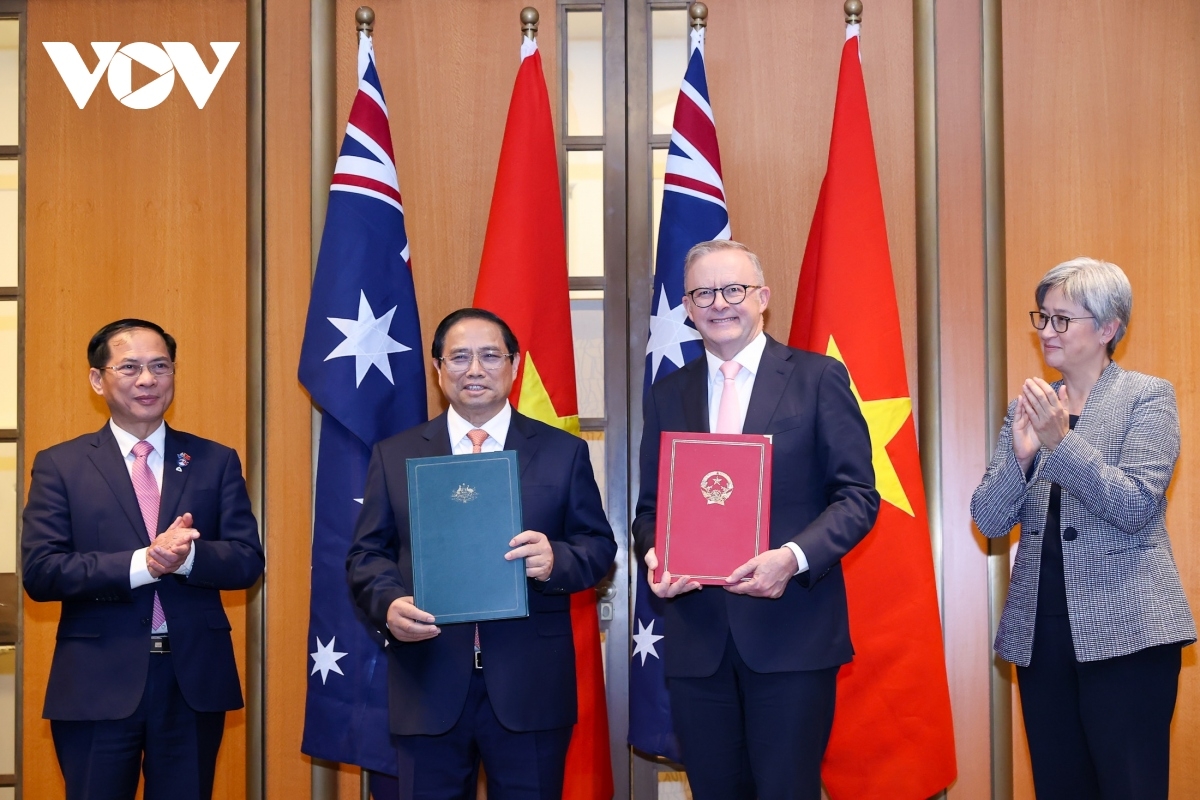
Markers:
717,245
1099,286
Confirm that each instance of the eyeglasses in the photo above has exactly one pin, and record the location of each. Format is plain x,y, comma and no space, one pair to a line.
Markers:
734,294
490,360
132,369
1060,322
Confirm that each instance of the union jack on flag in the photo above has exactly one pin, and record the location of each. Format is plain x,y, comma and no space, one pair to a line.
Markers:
693,211
362,363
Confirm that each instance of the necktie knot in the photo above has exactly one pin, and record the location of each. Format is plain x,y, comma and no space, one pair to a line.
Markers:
477,436
730,369
143,449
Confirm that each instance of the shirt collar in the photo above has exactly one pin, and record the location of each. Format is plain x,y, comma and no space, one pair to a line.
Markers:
496,427
126,440
749,357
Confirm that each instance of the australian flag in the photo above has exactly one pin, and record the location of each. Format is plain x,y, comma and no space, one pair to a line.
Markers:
362,362
693,211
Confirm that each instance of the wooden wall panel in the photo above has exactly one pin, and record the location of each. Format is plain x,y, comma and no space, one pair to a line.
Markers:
287,521
772,77
964,414
132,213
1102,101
447,72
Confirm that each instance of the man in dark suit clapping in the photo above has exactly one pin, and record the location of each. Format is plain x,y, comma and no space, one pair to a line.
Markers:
136,529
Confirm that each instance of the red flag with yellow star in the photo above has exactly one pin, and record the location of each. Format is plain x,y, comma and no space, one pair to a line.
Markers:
523,279
893,735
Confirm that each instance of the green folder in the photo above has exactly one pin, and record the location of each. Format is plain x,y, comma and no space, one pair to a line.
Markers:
463,511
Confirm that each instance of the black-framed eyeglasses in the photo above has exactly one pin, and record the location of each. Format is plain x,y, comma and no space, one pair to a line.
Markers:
490,360
733,293
1059,321
132,369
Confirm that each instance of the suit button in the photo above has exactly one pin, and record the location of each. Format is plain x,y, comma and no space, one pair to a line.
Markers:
145,621
1069,535
1033,533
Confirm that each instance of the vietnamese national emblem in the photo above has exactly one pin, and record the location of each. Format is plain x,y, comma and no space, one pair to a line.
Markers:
716,487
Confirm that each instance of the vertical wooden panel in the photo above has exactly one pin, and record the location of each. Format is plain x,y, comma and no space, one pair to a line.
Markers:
447,71
132,213
964,420
287,522
1102,101
772,77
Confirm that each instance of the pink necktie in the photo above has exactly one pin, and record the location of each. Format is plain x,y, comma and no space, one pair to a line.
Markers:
146,489
729,412
477,436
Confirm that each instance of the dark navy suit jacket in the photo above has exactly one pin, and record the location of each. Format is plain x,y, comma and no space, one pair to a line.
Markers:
529,664
822,498
81,526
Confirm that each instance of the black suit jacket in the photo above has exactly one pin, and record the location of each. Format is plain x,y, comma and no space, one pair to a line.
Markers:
529,664
822,498
81,526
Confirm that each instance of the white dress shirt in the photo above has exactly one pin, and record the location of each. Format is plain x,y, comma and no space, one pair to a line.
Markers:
496,427
139,574
749,359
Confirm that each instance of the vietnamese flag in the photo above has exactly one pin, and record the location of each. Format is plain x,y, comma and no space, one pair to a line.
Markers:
893,735
523,279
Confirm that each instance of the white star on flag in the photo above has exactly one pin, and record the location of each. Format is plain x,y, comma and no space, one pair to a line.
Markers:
367,340
667,333
644,640
325,659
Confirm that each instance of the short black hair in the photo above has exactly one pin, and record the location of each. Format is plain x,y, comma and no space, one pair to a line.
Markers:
98,352
455,317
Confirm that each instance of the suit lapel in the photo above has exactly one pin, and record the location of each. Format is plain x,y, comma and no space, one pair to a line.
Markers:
774,371
437,436
522,437
174,478
107,457
694,390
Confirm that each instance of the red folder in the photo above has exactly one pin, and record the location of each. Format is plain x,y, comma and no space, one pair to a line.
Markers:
714,503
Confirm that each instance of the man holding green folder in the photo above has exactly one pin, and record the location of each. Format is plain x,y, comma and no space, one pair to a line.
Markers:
500,692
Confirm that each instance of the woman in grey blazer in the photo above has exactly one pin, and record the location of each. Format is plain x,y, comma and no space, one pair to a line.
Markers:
1096,616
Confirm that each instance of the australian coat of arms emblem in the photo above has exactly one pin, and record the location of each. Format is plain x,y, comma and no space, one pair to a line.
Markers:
464,493
716,487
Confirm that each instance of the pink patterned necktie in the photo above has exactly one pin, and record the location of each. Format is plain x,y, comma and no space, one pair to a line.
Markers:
477,436
729,411
146,489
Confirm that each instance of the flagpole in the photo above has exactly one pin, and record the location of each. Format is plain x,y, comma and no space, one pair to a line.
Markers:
323,125
699,14
364,19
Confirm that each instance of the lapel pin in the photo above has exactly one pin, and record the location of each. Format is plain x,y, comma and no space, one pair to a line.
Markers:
181,461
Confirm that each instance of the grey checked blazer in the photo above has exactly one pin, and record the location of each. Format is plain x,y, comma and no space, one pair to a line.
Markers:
1123,590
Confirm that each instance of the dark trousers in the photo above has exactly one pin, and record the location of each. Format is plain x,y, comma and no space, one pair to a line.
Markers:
1098,729
164,739
519,765
749,734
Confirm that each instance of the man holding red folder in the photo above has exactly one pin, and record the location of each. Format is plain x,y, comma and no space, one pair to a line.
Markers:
752,668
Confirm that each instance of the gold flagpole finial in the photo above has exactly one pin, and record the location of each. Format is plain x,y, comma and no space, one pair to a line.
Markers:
529,21
699,14
853,9
365,19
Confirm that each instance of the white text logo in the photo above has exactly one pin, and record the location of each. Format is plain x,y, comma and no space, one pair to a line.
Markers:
163,61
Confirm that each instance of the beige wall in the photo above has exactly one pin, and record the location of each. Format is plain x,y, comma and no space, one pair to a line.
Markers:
132,213
1102,102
